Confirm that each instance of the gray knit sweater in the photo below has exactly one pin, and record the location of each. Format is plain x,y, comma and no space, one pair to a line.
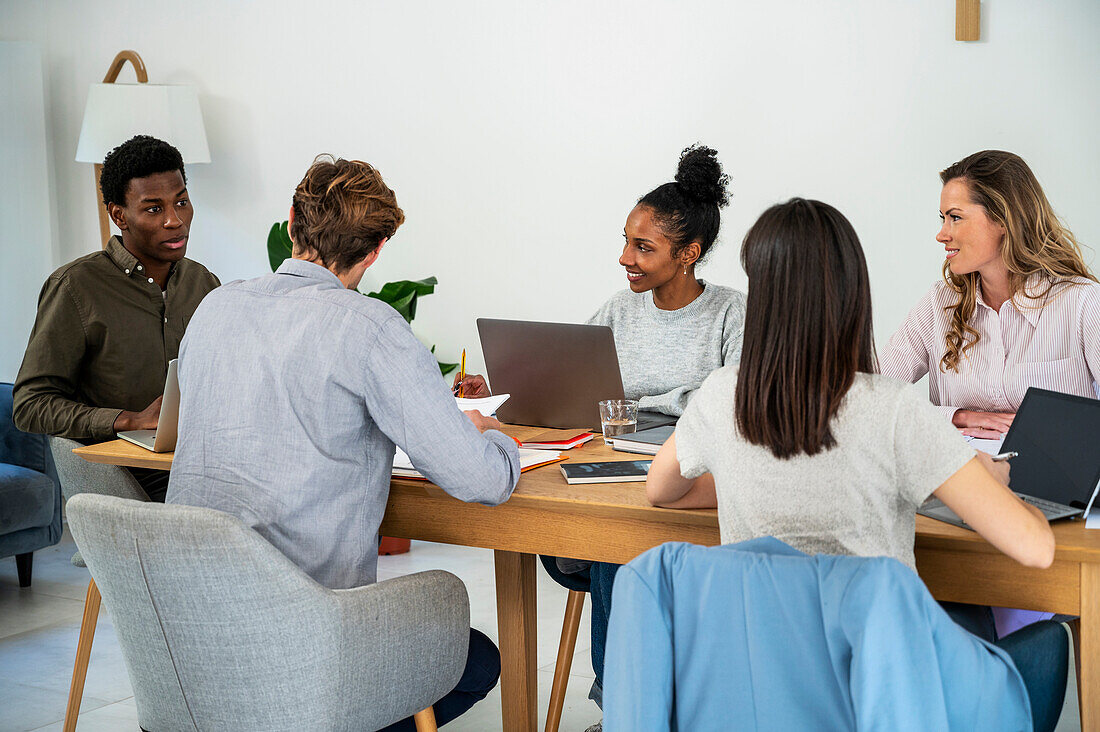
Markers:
664,355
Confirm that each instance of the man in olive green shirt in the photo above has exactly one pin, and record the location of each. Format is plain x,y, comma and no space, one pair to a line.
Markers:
109,322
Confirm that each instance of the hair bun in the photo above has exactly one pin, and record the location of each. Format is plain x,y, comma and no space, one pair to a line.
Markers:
700,175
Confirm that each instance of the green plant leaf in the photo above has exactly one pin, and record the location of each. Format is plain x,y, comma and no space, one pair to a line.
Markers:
395,290
279,245
406,306
403,294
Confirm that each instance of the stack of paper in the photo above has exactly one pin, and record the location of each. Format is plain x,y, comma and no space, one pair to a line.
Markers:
528,460
486,405
993,447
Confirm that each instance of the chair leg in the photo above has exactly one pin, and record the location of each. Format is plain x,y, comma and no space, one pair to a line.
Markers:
83,652
1075,636
23,567
574,606
425,720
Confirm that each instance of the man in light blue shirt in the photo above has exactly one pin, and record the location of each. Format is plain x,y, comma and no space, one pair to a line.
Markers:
295,389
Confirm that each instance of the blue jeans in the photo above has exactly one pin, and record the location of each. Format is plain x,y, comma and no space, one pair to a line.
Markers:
1040,652
597,580
478,679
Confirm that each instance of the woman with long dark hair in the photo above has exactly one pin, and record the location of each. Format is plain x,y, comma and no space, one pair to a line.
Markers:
803,441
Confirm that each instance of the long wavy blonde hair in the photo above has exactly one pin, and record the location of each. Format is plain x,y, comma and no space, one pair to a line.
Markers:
1035,240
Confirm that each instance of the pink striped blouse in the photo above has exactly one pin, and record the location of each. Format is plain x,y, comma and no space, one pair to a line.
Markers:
1052,342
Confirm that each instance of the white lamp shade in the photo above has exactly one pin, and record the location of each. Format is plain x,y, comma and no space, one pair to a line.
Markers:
117,112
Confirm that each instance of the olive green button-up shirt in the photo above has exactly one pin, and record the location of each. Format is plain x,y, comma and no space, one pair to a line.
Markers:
101,342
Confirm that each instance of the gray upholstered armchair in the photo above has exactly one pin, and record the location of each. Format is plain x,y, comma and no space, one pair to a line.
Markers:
221,631
30,497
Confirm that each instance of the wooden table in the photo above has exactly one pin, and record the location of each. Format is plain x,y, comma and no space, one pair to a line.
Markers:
613,522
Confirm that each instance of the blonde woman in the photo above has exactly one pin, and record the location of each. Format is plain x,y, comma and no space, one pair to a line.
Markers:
1017,308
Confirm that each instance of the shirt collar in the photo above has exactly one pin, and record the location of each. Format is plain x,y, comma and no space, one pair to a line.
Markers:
309,270
1023,302
128,263
1029,306
121,256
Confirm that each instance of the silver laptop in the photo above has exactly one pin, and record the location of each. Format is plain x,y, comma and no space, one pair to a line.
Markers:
557,373
1058,466
163,438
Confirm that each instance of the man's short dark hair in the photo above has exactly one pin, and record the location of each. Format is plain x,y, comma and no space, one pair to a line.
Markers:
138,157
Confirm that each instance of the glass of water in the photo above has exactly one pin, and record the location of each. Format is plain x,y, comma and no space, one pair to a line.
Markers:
618,417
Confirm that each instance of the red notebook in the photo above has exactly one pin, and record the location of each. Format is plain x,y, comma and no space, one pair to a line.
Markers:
557,441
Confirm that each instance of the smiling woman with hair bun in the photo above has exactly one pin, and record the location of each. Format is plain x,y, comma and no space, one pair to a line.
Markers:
671,328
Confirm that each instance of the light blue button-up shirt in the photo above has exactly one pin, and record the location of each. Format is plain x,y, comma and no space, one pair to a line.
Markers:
294,391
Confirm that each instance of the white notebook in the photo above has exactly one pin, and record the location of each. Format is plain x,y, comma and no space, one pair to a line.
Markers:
486,405
403,467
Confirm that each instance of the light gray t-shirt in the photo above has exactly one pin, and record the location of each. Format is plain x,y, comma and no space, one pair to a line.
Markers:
893,449
664,355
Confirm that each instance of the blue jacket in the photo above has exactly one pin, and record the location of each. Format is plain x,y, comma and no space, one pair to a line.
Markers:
759,636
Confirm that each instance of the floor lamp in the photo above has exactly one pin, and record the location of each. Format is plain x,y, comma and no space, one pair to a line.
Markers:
116,112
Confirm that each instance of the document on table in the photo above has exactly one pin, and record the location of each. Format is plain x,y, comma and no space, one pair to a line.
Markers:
528,458
486,405
1092,521
993,447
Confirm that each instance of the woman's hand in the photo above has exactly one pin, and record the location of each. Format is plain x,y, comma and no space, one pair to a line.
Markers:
986,425
999,470
473,386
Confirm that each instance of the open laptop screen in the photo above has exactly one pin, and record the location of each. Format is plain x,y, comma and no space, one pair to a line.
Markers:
1058,438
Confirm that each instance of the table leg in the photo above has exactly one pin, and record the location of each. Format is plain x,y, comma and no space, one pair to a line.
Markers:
516,604
1088,647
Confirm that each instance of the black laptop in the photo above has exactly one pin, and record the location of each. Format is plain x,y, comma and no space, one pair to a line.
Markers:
556,373
1057,470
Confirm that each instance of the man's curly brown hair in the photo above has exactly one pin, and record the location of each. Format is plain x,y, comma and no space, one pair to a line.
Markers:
342,211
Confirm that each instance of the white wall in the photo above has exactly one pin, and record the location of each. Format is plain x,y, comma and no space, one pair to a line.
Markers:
518,134
27,253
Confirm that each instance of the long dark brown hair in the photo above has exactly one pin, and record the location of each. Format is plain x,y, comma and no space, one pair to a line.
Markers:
807,326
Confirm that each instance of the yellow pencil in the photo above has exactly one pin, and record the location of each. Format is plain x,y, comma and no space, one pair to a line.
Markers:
462,373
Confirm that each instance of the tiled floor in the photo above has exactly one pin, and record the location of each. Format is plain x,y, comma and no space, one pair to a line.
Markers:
39,628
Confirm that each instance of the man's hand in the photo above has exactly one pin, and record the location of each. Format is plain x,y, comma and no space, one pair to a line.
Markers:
999,470
481,421
473,386
986,425
146,419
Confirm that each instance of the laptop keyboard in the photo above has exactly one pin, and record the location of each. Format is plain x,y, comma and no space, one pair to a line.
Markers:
1043,505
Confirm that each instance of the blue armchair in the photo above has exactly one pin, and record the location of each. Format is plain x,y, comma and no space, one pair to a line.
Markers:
30,494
